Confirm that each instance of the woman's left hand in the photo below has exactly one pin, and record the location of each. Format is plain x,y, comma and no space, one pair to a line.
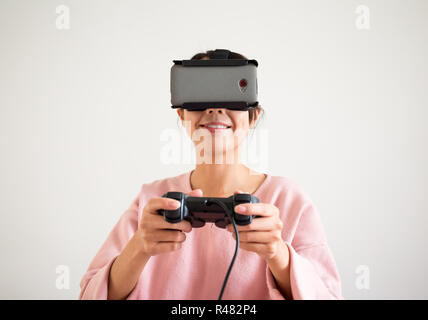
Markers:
263,234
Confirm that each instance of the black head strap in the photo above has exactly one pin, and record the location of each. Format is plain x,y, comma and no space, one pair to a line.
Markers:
218,54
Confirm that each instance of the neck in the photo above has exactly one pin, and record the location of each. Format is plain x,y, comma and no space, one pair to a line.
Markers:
220,180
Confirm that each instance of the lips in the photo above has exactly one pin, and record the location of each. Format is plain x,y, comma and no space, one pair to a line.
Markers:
216,125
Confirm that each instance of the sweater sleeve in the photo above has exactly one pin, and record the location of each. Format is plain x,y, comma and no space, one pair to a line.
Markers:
313,271
94,284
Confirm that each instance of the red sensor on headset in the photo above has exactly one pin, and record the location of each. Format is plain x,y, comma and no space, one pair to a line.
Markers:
243,83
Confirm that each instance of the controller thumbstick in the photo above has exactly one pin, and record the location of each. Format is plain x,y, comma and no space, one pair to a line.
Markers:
241,198
238,199
177,214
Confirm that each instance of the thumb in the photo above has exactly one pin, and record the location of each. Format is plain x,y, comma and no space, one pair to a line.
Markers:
195,193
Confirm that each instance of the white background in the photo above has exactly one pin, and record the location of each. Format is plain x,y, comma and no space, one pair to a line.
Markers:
82,112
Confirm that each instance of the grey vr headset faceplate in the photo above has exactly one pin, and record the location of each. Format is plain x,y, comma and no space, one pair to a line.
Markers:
211,83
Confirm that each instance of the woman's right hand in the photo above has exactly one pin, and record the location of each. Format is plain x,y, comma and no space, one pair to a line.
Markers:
154,234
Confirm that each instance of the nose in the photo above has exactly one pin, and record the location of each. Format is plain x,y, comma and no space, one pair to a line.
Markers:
218,110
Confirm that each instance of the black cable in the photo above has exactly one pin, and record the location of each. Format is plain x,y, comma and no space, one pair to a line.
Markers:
227,211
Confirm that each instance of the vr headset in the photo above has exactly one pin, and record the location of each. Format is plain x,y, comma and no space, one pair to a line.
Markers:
215,83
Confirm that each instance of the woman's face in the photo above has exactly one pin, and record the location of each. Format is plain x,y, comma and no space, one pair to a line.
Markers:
230,131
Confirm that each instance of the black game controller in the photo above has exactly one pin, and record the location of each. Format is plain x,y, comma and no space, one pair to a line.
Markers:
199,210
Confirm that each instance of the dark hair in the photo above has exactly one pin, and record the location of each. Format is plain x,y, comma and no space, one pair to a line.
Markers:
232,55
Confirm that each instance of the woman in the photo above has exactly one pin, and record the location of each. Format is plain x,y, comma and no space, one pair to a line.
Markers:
283,253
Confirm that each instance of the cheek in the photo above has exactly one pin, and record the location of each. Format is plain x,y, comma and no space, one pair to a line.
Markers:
189,123
242,124
240,134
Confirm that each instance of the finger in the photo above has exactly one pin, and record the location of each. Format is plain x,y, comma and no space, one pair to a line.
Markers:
158,222
258,236
157,203
165,236
258,209
183,225
196,193
259,224
238,191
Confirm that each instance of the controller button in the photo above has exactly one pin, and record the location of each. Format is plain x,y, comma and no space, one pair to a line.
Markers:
198,223
221,223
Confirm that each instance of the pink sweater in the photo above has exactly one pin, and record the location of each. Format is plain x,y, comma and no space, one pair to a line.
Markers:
197,270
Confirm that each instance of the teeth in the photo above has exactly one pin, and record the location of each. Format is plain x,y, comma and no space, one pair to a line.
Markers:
216,126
